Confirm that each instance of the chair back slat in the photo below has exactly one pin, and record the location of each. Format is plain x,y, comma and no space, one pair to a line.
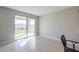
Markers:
63,40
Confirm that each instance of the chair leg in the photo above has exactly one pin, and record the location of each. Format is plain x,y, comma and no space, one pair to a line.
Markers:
73,47
65,49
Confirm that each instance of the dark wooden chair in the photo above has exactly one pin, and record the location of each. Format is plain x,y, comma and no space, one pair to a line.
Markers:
64,42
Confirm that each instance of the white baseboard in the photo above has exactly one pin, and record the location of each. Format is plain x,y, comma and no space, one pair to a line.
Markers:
10,41
50,37
6,42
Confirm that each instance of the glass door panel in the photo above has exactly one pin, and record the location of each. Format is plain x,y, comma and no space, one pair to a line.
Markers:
20,27
31,26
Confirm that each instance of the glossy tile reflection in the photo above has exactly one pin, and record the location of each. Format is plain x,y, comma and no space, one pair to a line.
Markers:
34,44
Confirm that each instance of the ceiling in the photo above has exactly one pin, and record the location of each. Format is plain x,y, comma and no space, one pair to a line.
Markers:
38,10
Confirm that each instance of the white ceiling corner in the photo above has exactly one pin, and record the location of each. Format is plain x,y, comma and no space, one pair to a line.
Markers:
38,10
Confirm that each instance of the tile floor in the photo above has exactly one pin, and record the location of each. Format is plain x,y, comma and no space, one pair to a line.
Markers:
34,44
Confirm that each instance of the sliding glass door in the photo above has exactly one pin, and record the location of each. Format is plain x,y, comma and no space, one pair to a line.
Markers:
20,27
31,26
24,27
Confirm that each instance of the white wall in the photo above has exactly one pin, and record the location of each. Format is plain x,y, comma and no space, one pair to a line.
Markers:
62,22
7,25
